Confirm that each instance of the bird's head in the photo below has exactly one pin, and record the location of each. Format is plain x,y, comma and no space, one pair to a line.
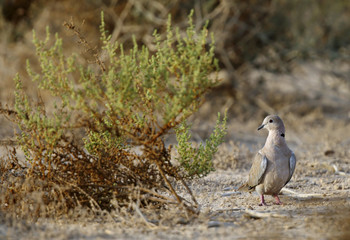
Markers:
273,122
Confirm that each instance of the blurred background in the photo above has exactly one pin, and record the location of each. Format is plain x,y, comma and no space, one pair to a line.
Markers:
276,56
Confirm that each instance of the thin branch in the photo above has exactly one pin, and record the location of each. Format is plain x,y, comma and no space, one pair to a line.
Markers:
256,214
143,217
168,183
82,40
302,195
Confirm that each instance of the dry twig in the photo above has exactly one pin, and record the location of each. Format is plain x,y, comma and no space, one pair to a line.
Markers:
257,214
302,195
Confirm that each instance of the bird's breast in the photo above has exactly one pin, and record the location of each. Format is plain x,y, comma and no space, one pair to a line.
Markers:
277,172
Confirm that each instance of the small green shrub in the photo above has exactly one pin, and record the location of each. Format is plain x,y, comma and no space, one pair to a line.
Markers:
198,161
126,103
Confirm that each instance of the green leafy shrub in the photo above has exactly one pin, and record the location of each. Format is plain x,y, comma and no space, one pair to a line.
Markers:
126,103
198,161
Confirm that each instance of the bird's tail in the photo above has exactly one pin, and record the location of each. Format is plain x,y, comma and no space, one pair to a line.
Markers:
245,188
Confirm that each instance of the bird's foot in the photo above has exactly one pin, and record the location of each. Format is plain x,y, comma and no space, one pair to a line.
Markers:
262,201
278,201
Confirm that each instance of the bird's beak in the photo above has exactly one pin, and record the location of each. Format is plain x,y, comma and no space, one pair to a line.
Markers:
262,126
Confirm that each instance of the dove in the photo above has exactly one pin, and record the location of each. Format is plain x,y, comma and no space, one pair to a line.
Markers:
273,166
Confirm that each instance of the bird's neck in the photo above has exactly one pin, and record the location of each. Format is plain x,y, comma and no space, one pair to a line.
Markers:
275,138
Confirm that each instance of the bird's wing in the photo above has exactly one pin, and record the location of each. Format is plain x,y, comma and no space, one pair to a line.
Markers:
292,163
257,170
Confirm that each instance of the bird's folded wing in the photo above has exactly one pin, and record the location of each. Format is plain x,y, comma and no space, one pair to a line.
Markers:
257,170
292,163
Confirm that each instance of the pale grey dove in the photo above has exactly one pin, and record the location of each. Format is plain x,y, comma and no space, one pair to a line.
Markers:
274,164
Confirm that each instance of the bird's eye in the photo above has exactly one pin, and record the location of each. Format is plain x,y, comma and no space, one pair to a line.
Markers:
271,121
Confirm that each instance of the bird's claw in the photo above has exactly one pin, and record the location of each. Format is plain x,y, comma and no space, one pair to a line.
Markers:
278,201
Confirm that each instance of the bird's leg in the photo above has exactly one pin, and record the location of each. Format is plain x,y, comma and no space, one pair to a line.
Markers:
262,201
278,201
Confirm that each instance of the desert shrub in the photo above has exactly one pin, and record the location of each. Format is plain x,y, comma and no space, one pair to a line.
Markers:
197,161
126,103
